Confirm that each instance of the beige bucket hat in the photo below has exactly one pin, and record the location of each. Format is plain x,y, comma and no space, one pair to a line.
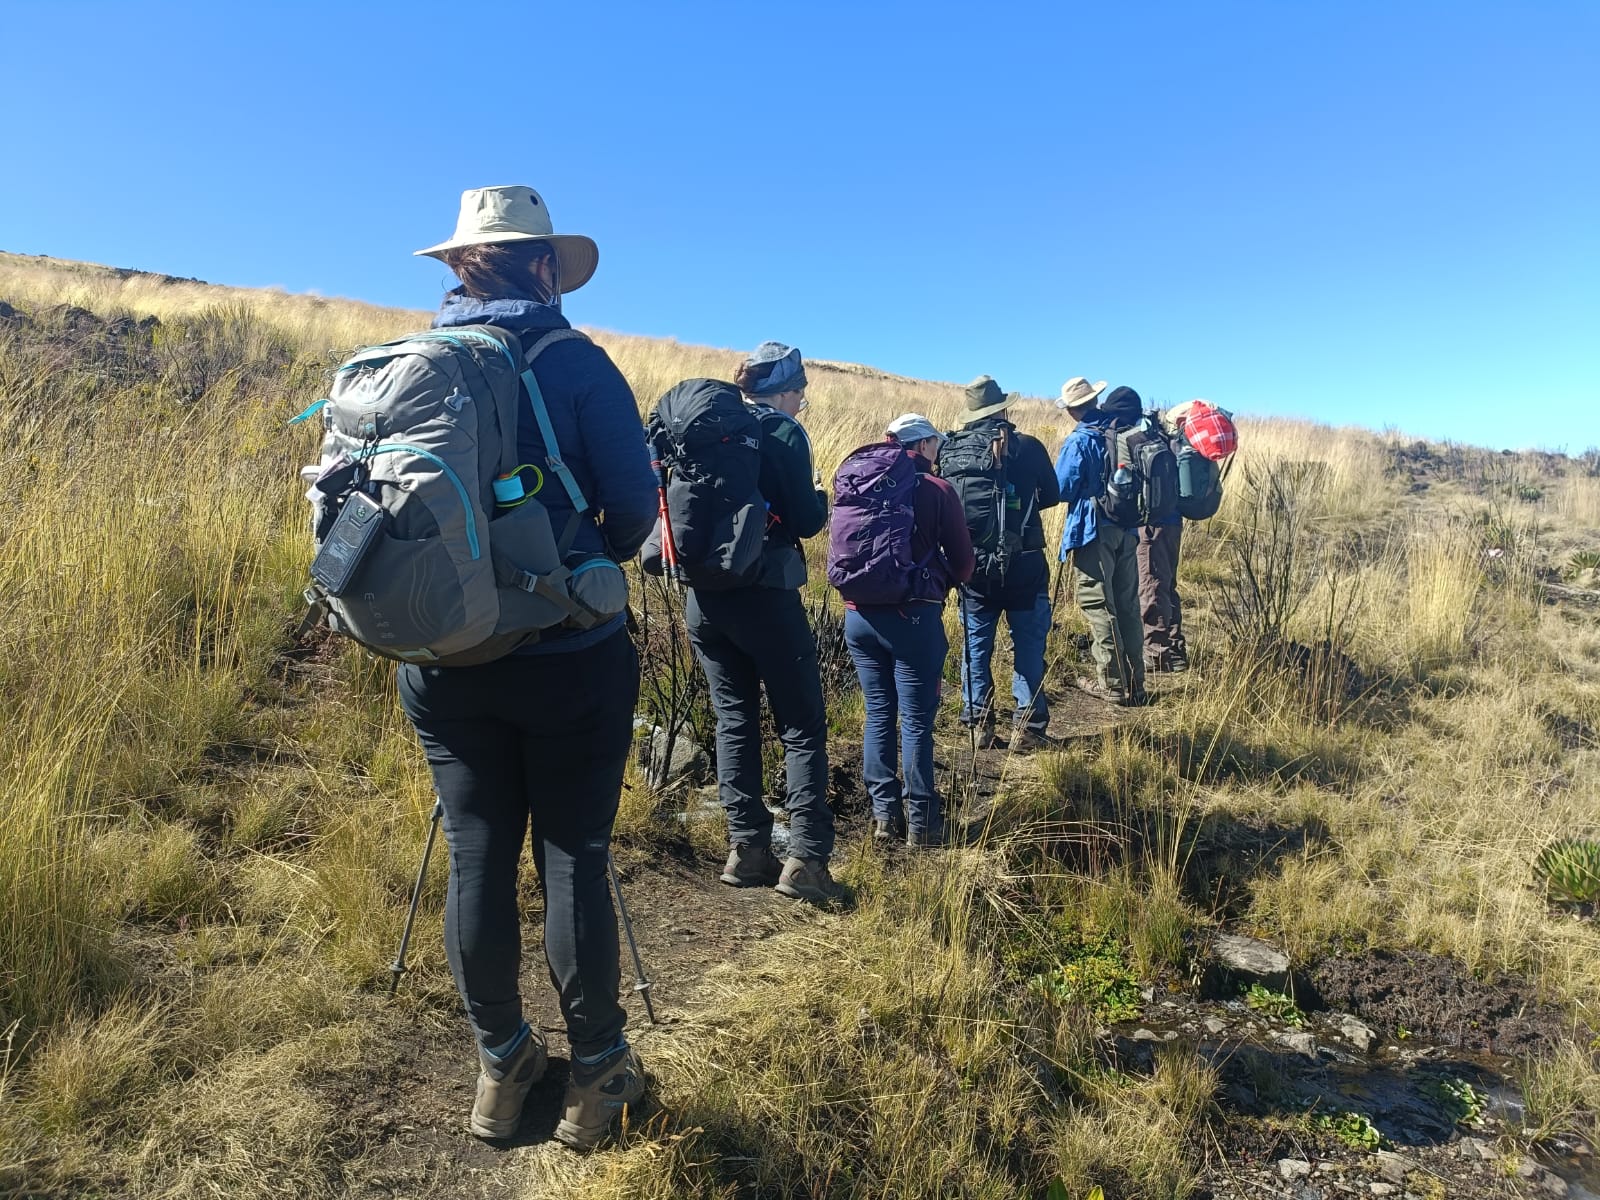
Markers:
516,213
984,399
1078,394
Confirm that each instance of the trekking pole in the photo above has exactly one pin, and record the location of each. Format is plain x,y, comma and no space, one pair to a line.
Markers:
669,548
967,681
398,967
640,983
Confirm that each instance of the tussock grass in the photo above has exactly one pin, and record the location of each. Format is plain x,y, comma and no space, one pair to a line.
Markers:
208,845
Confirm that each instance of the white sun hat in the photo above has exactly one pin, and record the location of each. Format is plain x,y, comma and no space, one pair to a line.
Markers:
516,213
1078,394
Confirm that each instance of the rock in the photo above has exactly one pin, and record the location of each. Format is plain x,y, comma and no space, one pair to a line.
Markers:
688,761
1353,1031
1215,1025
1145,1035
1290,1169
1553,1185
1476,1150
1394,1167
1382,1189
1298,1041
1251,958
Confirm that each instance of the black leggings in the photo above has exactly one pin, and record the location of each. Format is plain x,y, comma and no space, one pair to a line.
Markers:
531,741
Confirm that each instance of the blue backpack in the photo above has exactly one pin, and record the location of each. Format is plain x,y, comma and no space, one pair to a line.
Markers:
869,531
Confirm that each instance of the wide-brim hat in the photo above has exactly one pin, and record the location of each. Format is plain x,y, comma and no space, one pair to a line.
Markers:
984,398
516,213
1078,394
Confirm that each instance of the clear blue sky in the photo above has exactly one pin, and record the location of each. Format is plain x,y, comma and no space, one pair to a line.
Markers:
1372,212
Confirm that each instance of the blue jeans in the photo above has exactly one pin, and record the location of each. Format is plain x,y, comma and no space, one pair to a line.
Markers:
899,655
1030,624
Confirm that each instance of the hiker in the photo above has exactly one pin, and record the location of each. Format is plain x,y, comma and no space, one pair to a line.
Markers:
536,741
1160,605
1004,479
1104,550
898,542
1201,436
753,630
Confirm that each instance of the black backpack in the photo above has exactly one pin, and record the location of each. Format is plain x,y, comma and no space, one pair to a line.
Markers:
706,443
1141,476
973,461
1199,481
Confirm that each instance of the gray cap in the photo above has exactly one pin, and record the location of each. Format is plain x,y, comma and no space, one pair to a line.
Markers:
778,367
910,428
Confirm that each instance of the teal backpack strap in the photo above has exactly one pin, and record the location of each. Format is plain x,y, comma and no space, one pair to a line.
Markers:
541,414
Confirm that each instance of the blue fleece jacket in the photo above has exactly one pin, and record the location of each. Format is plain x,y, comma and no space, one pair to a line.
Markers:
596,421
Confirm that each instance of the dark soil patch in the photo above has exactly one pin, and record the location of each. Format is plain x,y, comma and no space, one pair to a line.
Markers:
1440,1000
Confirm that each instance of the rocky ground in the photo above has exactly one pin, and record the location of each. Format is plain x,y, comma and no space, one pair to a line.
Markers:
1373,1075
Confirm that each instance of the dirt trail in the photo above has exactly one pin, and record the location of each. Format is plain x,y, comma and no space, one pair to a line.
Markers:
407,1105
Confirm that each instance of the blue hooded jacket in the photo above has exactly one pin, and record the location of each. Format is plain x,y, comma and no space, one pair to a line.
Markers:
1081,466
596,420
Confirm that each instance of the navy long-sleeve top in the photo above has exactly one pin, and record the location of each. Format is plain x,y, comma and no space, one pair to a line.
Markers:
596,421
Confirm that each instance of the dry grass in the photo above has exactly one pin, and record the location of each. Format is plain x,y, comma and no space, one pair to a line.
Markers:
207,847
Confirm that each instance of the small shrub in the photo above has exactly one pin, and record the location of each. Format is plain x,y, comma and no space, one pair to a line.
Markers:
1530,494
1092,972
1274,1004
1584,560
1570,870
1352,1128
1462,1103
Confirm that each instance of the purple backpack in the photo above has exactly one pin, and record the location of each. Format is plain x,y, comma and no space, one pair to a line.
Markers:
869,533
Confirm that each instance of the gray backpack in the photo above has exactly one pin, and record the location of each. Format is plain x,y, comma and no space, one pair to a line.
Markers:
432,544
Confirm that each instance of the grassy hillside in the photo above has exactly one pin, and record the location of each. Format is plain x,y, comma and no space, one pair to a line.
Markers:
210,829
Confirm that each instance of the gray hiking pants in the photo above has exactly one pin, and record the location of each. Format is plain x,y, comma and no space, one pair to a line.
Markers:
1160,605
1106,581
746,638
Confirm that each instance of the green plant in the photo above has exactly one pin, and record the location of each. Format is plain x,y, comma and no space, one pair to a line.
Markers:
1463,1103
1352,1128
1584,560
1274,1005
1530,494
1570,870
1092,971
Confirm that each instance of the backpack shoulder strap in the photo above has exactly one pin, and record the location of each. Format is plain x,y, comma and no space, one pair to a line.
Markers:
541,414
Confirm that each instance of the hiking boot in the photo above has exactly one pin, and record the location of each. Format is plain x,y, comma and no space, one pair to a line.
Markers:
751,866
1102,691
1031,739
921,840
1138,699
503,1085
596,1096
887,831
987,738
1177,661
808,879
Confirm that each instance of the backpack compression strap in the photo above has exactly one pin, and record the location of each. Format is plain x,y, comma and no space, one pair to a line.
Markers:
541,414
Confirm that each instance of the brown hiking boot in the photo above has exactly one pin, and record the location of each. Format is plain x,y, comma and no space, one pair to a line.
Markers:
1029,739
596,1096
808,879
987,739
751,866
1102,691
503,1085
